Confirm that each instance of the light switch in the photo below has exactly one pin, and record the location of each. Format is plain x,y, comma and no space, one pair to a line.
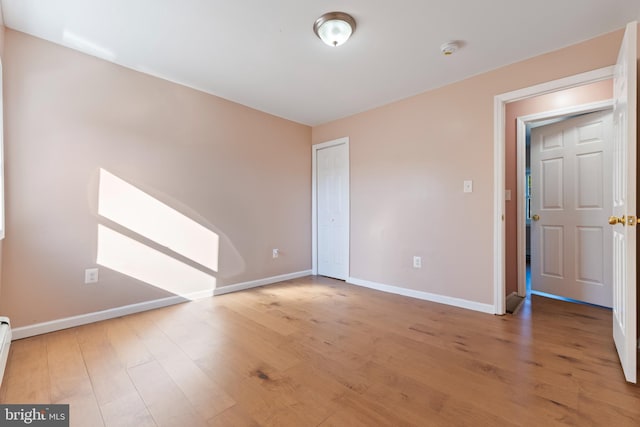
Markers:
507,194
468,186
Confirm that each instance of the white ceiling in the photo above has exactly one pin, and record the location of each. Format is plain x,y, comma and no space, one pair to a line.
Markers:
264,54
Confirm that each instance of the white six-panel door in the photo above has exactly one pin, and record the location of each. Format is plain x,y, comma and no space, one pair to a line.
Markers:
571,202
332,195
624,203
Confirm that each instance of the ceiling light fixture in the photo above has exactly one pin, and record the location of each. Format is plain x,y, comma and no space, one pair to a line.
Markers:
334,28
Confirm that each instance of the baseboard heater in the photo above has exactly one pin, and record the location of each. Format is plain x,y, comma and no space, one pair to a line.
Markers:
5,342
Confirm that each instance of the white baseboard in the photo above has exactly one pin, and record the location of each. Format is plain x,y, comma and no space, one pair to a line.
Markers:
260,282
97,316
83,319
442,299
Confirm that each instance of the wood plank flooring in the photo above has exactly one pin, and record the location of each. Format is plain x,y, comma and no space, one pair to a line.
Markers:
319,352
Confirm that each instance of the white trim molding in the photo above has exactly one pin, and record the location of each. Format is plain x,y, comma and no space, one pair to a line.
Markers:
499,299
412,293
260,282
499,104
83,319
97,316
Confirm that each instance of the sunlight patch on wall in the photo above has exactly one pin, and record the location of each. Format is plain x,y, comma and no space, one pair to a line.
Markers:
134,209
134,259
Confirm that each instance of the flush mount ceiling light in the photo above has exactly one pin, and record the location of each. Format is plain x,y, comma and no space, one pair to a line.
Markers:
334,28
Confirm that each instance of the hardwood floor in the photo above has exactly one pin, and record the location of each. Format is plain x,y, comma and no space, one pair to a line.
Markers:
318,352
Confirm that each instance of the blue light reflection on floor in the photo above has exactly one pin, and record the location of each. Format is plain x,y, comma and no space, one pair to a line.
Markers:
556,297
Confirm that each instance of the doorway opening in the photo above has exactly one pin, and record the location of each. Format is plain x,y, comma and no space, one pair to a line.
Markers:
576,137
564,201
503,253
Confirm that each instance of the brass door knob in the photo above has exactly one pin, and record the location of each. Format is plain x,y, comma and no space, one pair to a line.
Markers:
535,217
613,220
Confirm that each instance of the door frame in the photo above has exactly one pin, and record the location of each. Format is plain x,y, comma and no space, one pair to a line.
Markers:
314,202
521,153
499,106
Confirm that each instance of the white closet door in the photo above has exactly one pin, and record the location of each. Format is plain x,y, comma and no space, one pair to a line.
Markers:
332,179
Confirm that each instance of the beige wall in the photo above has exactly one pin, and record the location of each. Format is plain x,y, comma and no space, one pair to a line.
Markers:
239,172
599,91
246,176
408,163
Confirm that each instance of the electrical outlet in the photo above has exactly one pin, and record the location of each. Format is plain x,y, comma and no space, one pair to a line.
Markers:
417,262
275,253
467,186
91,275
